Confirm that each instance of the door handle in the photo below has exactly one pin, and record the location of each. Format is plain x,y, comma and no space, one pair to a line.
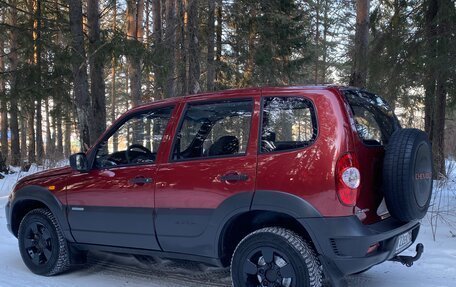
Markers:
141,180
234,177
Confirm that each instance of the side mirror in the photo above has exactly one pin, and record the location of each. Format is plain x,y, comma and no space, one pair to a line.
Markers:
79,162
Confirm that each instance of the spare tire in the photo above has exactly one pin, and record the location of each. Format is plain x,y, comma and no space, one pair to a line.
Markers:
407,174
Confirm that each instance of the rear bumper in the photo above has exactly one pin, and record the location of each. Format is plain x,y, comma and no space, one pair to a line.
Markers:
342,242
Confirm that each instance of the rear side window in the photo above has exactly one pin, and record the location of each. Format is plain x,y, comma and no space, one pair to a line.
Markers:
374,119
215,129
287,123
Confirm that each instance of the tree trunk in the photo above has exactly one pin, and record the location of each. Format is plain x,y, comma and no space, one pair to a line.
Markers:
147,76
39,133
170,44
13,64
193,48
157,21
49,139
58,137
36,36
157,35
140,21
4,125
446,12
211,46
3,103
23,129
326,24
317,40
359,70
438,137
219,30
135,32
181,50
67,137
218,38
80,84
31,144
113,82
97,83
430,76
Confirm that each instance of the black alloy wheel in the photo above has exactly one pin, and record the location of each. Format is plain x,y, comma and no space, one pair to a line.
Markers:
266,266
43,247
38,243
275,257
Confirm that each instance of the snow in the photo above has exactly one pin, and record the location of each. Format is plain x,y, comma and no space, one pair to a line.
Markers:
437,266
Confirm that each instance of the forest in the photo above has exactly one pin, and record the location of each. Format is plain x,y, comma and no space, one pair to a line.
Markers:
69,68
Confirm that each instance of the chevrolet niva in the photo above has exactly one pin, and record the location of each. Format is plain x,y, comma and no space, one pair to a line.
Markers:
288,186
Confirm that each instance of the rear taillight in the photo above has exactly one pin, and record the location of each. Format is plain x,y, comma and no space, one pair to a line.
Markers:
348,179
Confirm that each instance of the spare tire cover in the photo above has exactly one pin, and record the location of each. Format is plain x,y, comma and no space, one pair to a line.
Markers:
407,174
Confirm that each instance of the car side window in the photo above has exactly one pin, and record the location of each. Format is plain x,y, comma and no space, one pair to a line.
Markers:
214,129
136,141
366,126
374,119
287,123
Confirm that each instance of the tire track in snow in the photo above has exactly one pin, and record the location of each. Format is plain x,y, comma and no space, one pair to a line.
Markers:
174,271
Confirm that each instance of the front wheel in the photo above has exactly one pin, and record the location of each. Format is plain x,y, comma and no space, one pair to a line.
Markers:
43,247
275,257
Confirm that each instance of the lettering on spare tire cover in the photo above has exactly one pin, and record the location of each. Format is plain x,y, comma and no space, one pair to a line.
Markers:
423,175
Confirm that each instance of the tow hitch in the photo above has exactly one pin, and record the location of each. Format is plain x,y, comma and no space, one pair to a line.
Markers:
408,260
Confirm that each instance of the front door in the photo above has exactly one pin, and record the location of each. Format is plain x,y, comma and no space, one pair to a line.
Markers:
113,204
212,166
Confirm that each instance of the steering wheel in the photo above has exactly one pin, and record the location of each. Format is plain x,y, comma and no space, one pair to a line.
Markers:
145,150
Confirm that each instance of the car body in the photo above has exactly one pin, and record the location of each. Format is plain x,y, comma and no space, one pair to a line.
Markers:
219,166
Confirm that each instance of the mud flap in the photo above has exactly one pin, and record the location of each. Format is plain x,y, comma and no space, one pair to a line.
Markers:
332,273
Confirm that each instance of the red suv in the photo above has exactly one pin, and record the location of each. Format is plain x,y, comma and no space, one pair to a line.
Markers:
288,185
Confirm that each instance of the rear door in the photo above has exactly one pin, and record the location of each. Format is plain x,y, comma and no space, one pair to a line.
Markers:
375,122
212,166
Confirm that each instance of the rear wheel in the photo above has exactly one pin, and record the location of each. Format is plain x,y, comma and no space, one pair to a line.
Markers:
275,257
43,247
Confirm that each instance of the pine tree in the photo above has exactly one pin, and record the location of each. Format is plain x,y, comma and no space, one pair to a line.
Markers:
96,63
135,32
3,100
13,94
360,61
268,41
80,82
193,48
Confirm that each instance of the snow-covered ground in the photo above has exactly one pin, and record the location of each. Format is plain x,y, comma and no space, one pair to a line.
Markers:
437,267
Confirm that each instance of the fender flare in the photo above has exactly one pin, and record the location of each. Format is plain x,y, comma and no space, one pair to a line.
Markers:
283,202
274,201
44,196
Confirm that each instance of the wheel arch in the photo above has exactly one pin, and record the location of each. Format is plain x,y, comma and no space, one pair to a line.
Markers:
20,209
267,209
32,197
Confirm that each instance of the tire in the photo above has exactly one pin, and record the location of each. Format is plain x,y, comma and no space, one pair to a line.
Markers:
275,257
407,174
43,247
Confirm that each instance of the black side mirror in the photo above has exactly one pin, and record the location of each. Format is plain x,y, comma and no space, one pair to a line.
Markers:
79,162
